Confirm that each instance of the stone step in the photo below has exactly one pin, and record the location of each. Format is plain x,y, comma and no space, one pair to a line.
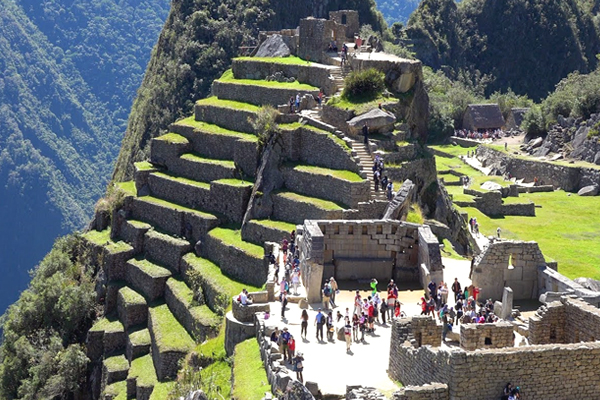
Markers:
295,208
116,390
114,369
262,92
141,378
138,343
228,114
106,337
202,169
131,307
197,318
111,255
241,260
133,231
165,250
166,148
267,230
179,190
173,218
170,341
147,278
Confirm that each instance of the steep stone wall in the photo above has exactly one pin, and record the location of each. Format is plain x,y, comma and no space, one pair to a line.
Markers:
337,117
311,244
566,321
565,177
430,256
257,94
549,280
486,336
235,119
312,73
285,209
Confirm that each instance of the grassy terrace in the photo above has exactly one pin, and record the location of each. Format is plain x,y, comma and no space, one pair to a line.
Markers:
564,163
127,188
168,332
296,125
566,226
336,173
358,106
205,160
110,324
214,129
140,337
117,390
320,203
144,166
234,105
233,238
151,269
186,295
173,138
161,390
290,60
164,203
102,238
116,363
185,181
235,182
228,77
270,223
131,296
249,376
213,274
142,368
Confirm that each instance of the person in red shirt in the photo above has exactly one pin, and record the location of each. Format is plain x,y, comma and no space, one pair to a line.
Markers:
371,317
291,347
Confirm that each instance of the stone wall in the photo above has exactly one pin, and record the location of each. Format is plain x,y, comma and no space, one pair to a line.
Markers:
312,73
486,336
311,243
566,321
430,256
285,209
549,280
257,94
337,117
330,188
434,391
490,203
400,74
491,271
565,177
228,118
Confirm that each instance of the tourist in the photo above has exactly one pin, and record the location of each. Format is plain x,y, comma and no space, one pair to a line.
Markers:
376,305
295,281
376,176
338,316
284,302
326,293
363,326
320,97
456,289
498,232
244,299
432,289
291,346
384,182
291,104
459,310
446,327
397,312
444,292
355,325
451,315
424,306
275,335
357,303
383,310
297,101
348,334
371,314
319,322
392,291
476,291
373,286
304,324
334,291
390,190
329,327
506,391
298,367
365,133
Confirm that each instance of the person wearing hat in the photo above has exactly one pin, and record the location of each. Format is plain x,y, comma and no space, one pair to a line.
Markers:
298,367
334,289
285,338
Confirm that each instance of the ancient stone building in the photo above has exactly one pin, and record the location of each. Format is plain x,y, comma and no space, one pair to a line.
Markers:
483,117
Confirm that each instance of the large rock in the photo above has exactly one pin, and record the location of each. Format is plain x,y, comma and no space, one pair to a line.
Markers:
297,391
377,120
489,185
591,190
274,46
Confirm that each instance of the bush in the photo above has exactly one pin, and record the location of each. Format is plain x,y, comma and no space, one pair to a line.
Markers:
364,85
534,122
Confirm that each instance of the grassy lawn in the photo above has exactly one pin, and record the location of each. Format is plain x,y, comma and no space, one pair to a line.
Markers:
102,238
161,390
168,332
228,77
234,105
358,106
142,368
149,268
234,238
110,323
143,166
131,296
336,173
205,160
296,125
448,251
249,376
180,179
235,182
118,390
128,188
290,60
173,206
271,223
213,129
173,138
320,203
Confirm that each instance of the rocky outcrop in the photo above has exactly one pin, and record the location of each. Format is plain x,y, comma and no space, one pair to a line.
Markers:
274,46
377,120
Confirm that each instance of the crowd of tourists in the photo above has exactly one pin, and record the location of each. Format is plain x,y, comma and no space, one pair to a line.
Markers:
476,135
380,180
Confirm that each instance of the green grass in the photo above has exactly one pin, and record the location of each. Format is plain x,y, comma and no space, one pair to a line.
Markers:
228,77
142,368
358,106
449,252
231,104
216,378
144,166
415,215
118,390
131,296
214,129
151,269
336,173
290,60
205,160
296,125
452,151
235,182
233,238
109,324
128,188
173,206
169,334
320,203
162,390
180,179
140,337
139,224
271,223
214,349
181,290
102,238
173,138
564,163
249,376
116,363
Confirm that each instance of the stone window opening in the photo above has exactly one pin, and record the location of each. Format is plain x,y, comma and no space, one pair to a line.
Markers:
394,229
364,230
344,20
488,341
379,229
511,264
336,230
350,230
553,333
418,338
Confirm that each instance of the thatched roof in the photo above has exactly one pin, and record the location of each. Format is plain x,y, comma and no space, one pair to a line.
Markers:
484,116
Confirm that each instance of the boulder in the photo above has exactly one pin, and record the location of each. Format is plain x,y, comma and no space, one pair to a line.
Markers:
597,158
303,304
274,46
297,391
589,283
590,190
307,102
489,185
313,388
377,120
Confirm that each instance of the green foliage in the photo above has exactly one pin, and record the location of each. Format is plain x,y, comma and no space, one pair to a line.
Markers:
249,376
264,124
415,214
594,131
40,352
534,121
364,85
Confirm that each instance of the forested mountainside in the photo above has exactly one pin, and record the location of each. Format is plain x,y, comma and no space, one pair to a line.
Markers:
525,45
397,10
196,45
69,72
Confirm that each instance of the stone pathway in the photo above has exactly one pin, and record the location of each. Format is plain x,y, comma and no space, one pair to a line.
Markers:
475,163
366,164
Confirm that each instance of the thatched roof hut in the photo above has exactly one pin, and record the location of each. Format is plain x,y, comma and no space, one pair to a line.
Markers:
483,117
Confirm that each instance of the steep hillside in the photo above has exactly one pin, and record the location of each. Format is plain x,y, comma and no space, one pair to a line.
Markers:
397,10
195,47
67,78
526,45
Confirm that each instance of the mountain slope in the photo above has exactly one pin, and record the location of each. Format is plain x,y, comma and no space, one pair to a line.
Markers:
397,10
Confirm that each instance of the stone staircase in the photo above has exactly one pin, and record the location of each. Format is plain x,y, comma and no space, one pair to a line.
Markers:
174,255
339,75
366,163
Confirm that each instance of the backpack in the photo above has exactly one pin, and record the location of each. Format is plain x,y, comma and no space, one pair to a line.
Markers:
327,291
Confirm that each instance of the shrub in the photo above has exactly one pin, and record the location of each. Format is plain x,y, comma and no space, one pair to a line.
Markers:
364,85
534,121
